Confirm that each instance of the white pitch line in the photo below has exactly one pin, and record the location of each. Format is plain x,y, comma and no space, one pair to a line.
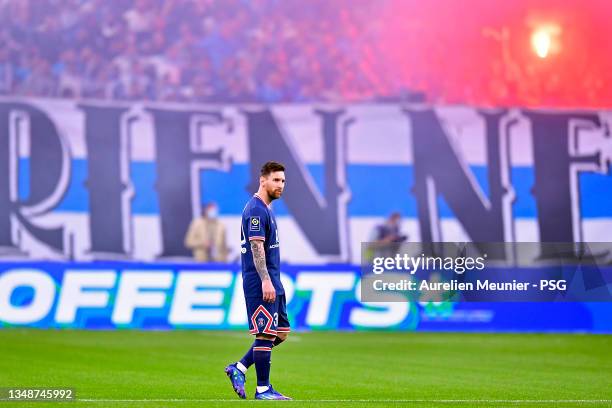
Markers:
452,401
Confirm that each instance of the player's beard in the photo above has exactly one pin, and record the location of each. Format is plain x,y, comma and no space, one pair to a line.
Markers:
274,194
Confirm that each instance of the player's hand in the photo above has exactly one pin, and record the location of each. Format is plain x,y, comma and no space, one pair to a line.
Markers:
269,293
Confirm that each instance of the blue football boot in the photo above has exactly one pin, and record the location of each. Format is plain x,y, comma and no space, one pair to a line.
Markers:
270,394
237,379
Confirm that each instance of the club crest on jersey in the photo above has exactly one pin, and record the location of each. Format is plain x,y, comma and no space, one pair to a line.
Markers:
254,224
260,322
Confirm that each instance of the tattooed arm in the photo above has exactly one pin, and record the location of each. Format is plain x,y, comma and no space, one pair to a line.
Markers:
259,258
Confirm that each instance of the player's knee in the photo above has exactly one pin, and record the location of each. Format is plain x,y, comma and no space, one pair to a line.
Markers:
265,337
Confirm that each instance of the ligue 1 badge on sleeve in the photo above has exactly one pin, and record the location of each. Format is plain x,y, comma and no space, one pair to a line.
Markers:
254,225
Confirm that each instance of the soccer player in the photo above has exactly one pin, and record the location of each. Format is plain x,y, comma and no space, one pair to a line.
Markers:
263,290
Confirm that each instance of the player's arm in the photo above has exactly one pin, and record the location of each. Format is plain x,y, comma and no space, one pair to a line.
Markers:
259,258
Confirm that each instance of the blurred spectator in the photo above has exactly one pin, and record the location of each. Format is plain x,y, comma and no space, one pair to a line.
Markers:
139,18
206,236
39,79
387,238
389,231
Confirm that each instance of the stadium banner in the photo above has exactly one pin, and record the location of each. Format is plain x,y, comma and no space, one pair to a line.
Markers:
87,180
117,295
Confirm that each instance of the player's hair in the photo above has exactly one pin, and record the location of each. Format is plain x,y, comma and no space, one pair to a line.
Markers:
271,167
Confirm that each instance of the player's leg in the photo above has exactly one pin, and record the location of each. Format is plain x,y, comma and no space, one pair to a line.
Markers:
280,337
265,320
262,356
246,361
263,325
236,372
283,327
282,332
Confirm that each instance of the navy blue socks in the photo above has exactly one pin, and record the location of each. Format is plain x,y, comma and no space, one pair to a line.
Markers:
262,352
247,360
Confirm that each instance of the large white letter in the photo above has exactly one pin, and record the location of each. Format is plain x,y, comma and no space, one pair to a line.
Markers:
188,294
323,285
44,294
237,314
73,296
379,314
130,296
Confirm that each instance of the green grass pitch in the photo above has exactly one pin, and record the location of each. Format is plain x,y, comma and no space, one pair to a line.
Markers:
318,369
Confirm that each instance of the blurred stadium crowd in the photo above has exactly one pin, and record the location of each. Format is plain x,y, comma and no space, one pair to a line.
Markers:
271,51
187,51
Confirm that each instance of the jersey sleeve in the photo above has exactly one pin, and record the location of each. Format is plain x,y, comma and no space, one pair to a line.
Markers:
257,224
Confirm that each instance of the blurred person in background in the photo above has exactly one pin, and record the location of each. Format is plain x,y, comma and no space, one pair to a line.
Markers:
389,231
387,237
206,236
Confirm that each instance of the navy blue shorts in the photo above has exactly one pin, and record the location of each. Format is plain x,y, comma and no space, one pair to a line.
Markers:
267,318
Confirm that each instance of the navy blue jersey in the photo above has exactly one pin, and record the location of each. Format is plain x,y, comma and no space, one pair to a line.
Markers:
258,222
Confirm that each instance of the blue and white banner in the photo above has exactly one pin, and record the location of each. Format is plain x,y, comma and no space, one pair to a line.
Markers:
92,181
110,295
